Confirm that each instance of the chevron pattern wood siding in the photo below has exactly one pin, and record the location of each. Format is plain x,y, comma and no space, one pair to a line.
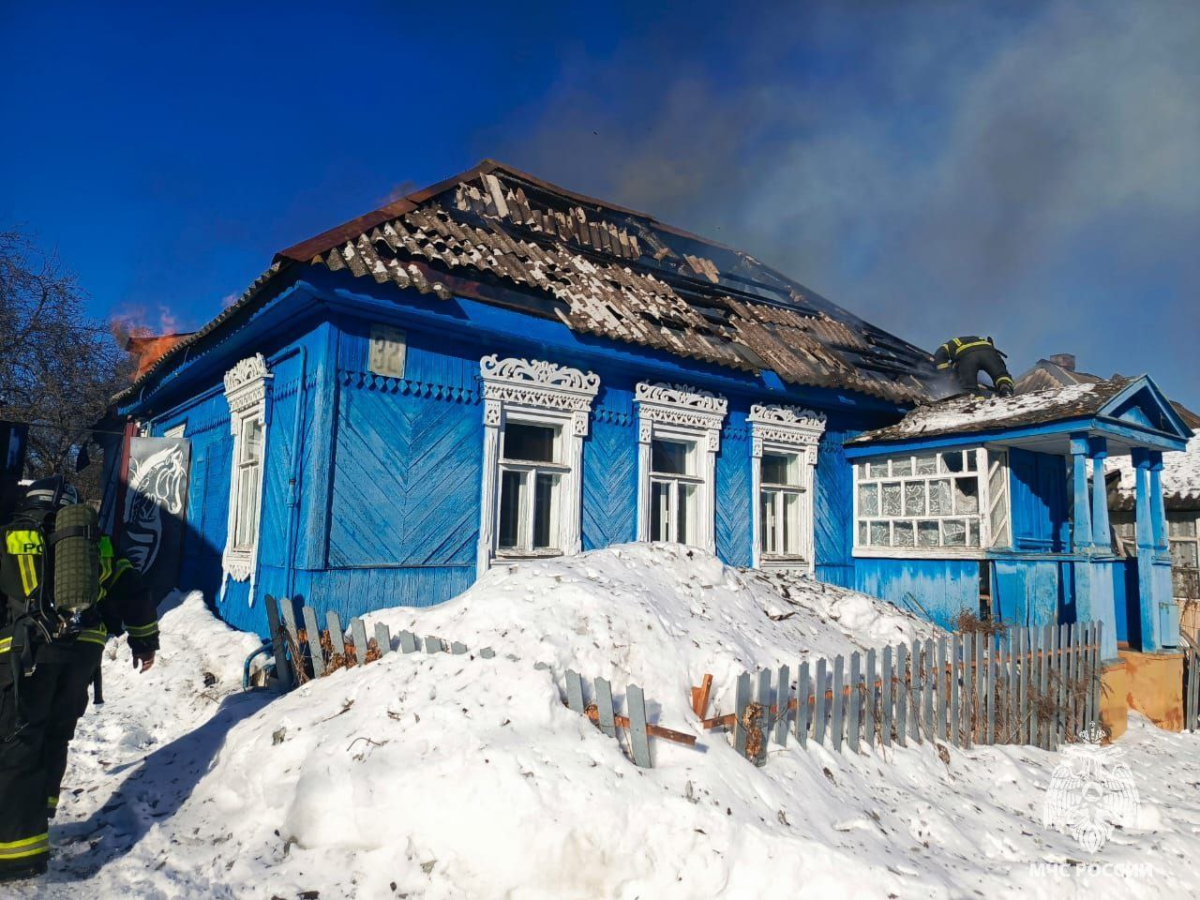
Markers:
735,535
610,481
280,464
834,506
407,472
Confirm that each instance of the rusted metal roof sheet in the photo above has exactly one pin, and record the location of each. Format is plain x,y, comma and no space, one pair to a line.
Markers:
500,235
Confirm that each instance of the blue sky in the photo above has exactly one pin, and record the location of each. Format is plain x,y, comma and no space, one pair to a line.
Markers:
1026,170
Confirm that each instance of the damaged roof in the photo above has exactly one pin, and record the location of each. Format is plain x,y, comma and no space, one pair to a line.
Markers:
967,414
499,235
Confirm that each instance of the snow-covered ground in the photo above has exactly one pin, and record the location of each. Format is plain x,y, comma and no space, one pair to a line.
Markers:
439,776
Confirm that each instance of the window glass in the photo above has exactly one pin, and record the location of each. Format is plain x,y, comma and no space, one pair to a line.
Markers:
252,434
687,513
529,443
512,485
669,457
660,510
933,500
779,468
543,510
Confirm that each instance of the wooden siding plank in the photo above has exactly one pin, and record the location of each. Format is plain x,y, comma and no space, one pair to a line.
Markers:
574,685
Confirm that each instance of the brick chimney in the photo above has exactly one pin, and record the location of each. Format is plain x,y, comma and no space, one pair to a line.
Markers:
1064,360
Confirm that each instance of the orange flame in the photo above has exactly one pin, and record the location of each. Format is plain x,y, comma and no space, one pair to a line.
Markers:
147,343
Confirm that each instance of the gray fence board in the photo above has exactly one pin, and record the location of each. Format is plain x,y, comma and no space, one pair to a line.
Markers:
870,717
819,703
955,714
853,715
941,725
383,639
359,631
930,681
337,637
313,630
885,698
987,720
803,689
765,720
1194,688
574,684
783,703
915,687
283,671
639,740
1060,687
902,690
433,644
741,702
839,701
604,707
409,642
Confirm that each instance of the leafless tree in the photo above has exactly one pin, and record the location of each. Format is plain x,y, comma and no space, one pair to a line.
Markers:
58,366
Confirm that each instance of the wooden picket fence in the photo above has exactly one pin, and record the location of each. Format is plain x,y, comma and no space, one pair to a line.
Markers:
298,658
1034,686
602,713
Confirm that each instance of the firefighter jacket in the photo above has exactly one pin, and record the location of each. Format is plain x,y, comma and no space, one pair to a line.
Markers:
26,578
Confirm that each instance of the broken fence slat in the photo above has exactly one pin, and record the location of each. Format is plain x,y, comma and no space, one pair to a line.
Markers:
487,653
636,702
283,672
574,690
383,638
359,629
929,682
408,642
965,662
433,644
458,648
315,651
604,707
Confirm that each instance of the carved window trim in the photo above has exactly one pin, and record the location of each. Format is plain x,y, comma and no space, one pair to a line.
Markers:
537,392
787,430
677,411
247,386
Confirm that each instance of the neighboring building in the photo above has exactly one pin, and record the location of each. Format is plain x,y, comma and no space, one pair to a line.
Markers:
496,369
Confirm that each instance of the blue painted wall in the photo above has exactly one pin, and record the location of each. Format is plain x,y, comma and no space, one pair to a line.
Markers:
938,589
1040,504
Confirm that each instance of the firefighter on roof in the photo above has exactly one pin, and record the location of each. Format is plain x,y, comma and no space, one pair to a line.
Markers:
64,593
968,356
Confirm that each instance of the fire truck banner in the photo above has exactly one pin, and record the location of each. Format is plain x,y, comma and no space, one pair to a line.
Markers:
155,513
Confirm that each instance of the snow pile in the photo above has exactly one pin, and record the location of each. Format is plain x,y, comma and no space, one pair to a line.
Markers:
440,776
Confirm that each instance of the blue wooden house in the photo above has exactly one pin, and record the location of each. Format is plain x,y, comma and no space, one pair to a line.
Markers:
498,369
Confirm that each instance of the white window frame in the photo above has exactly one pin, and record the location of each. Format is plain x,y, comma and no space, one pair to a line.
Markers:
987,459
676,482
785,431
676,412
247,385
536,393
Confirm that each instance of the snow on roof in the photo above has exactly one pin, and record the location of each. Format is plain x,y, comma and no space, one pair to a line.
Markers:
967,413
1180,477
